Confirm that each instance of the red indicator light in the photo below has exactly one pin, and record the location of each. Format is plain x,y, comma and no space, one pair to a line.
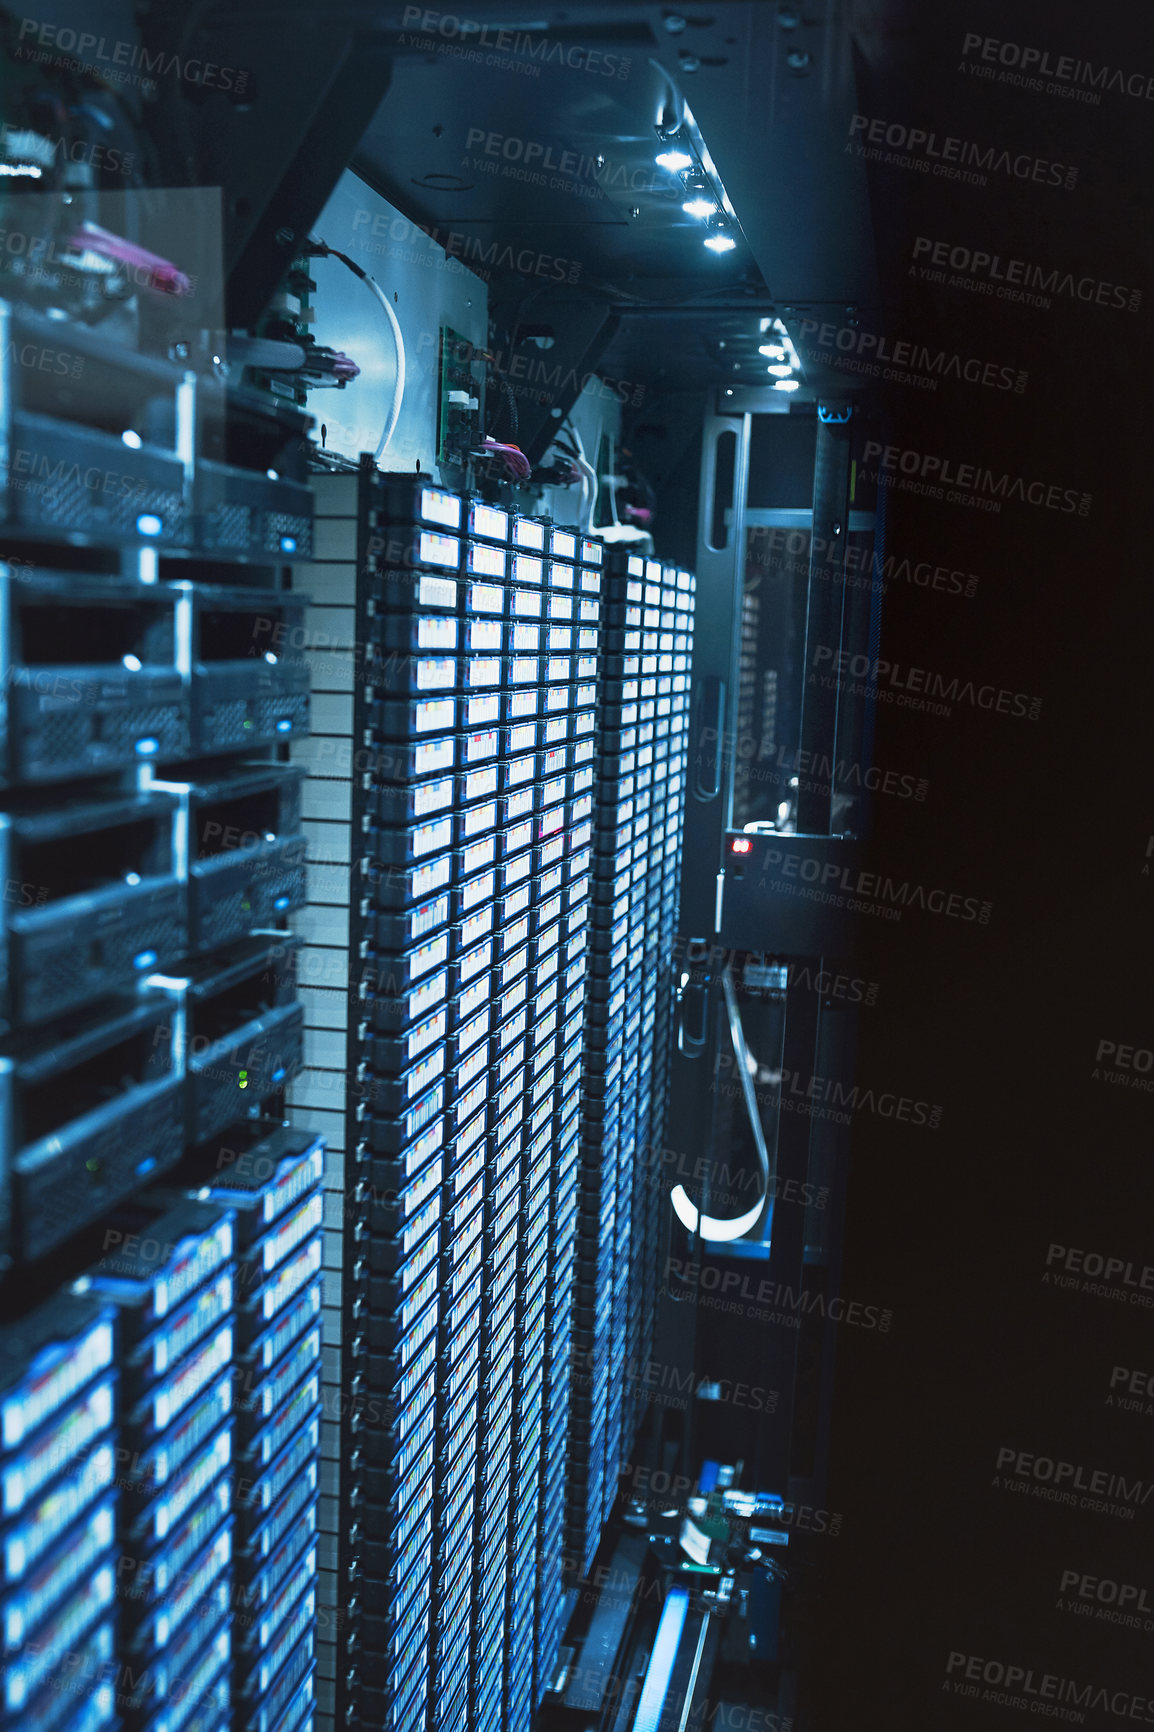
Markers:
742,845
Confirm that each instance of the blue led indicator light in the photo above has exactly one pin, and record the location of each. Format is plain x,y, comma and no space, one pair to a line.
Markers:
148,523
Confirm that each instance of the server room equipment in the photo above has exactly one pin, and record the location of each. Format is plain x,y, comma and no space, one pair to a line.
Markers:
92,675
161,1353
173,1284
58,1392
380,601
480,701
273,1186
69,474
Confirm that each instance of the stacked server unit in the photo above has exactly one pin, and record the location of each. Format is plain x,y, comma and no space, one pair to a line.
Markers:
58,1518
274,1191
641,759
172,1282
501,1260
152,850
477,705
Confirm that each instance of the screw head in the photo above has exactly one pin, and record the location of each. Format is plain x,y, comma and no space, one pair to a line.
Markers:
690,63
798,60
674,23
285,237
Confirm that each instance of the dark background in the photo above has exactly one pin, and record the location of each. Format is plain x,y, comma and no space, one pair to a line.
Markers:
1048,820
1001,1024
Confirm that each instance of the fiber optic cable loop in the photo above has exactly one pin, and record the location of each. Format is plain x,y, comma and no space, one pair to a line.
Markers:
714,1228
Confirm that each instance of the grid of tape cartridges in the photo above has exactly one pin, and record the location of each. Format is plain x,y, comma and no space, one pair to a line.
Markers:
157,1357
641,763
480,702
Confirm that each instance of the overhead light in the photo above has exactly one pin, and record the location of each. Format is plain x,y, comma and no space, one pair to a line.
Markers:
699,207
720,243
780,369
785,384
772,351
674,160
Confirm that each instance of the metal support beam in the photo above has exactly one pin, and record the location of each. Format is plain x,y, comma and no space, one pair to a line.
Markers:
824,623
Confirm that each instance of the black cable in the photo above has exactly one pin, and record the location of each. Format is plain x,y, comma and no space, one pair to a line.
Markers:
511,399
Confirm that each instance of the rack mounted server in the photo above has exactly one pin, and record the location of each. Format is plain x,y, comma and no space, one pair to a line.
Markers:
641,763
160,1430
479,702
481,712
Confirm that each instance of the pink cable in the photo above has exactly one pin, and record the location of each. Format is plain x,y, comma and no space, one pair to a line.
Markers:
515,460
163,275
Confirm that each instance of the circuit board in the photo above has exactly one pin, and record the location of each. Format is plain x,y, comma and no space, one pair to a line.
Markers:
459,398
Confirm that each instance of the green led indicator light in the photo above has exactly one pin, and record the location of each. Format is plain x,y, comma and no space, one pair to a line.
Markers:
92,1164
244,1079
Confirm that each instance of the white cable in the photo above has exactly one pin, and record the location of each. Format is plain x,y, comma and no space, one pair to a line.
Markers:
589,470
398,342
586,469
678,103
399,382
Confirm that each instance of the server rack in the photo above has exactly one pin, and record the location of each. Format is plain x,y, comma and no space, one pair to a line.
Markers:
641,758
149,655
58,1381
173,1286
479,701
274,1190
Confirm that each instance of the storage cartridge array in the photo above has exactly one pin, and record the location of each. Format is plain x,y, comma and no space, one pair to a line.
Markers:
274,1190
551,1085
217,1431
669,717
478,707
58,1383
171,1278
641,759
151,844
